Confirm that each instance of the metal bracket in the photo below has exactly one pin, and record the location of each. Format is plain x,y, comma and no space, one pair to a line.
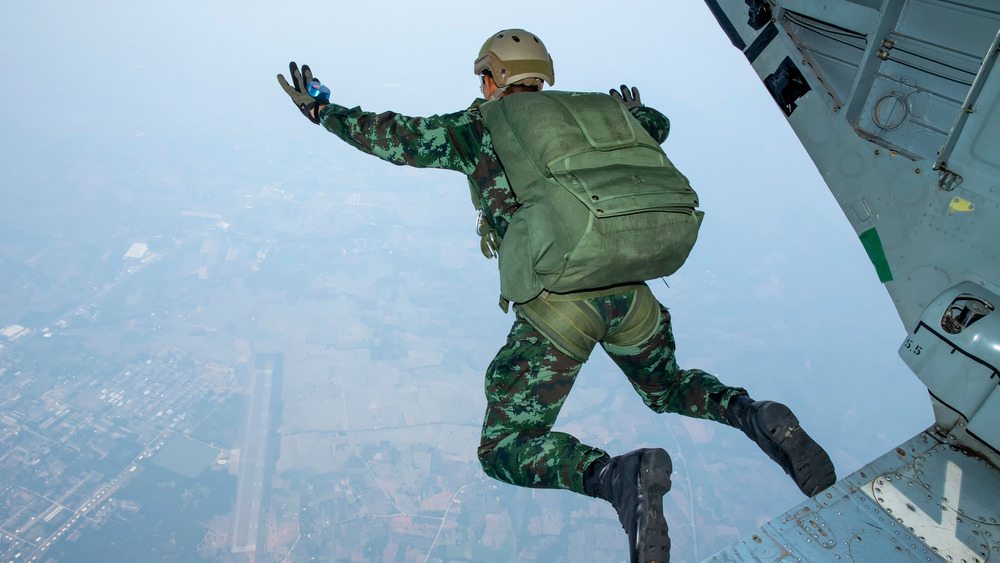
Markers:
948,180
968,107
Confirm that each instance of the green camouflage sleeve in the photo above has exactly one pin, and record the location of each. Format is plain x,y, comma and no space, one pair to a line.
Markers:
451,141
653,121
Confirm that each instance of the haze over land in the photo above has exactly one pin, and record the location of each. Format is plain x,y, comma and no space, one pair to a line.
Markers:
290,362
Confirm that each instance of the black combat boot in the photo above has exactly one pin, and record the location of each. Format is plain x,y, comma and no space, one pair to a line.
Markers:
634,484
776,430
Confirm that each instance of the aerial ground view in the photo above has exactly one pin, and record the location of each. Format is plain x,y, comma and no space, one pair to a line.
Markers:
227,336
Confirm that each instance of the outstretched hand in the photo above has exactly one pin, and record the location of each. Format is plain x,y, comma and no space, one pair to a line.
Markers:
298,90
629,99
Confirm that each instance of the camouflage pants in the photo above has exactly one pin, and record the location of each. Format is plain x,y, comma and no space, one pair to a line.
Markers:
529,380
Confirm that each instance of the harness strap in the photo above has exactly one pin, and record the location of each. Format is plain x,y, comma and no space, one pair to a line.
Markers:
639,323
574,327
570,321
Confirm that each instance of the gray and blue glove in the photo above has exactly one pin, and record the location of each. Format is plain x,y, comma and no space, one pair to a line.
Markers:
307,92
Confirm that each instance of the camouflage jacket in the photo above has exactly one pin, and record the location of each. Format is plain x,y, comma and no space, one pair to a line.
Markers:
454,141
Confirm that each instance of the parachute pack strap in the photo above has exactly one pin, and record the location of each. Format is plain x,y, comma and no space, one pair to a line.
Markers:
477,200
593,293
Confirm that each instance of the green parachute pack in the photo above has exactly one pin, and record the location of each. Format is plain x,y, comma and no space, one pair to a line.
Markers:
601,204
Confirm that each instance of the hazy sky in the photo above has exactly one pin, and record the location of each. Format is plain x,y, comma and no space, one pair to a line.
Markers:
128,105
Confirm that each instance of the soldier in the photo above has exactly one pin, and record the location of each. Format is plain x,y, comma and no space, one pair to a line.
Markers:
555,331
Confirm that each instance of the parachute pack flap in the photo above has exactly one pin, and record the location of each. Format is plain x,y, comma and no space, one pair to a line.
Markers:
605,131
616,189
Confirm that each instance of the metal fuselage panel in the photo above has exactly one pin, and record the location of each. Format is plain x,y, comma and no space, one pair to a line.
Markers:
926,500
886,87
897,103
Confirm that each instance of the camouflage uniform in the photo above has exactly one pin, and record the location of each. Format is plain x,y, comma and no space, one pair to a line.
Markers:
530,378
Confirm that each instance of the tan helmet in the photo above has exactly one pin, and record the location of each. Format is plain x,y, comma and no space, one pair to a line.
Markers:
513,55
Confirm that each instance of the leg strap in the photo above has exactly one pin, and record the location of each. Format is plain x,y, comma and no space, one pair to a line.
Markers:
573,326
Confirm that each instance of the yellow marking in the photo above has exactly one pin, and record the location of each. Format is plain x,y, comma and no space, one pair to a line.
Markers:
960,205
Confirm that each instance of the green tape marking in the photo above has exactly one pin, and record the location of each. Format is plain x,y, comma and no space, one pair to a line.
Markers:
873,246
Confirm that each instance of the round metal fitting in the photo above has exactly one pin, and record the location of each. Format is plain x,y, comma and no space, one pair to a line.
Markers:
890,112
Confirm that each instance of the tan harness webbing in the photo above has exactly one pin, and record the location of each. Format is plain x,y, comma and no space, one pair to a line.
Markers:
575,326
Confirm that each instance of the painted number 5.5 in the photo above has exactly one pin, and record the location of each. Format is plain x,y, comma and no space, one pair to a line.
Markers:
915,348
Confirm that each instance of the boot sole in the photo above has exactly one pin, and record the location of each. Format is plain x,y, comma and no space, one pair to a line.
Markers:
652,544
810,465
